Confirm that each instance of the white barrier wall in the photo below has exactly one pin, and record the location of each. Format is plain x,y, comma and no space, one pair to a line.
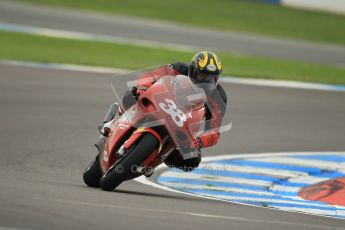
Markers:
334,6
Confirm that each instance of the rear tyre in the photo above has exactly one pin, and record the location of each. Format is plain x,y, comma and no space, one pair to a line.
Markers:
118,173
93,173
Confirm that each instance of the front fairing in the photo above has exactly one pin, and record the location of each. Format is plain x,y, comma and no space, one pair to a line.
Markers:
120,128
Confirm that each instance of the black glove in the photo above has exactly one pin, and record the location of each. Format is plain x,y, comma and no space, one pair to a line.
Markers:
134,91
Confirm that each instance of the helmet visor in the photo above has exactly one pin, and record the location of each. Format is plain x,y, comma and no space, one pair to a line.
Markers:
206,78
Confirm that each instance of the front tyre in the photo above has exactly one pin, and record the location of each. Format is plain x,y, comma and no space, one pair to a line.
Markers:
93,173
118,173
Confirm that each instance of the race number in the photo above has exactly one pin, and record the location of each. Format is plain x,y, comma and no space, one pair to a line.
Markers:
177,115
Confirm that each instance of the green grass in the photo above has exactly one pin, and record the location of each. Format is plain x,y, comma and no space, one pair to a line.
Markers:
15,46
235,15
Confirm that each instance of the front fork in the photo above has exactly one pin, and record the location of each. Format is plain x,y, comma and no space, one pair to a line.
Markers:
112,111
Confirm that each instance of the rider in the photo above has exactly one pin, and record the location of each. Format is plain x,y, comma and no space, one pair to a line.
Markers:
204,70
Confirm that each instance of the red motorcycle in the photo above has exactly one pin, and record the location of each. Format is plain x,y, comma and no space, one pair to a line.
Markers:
165,117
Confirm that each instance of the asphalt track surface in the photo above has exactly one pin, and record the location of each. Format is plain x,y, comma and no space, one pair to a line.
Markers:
149,30
48,126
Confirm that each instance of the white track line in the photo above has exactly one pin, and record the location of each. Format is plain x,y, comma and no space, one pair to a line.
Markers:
215,188
283,188
248,169
279,201
237,180
68,67
304,163
308,179
216,178
224,79
284,84
270,154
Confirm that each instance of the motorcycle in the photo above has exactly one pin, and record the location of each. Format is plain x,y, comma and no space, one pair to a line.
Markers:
165,117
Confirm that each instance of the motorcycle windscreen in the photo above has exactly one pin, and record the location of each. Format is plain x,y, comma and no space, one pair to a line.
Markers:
187,94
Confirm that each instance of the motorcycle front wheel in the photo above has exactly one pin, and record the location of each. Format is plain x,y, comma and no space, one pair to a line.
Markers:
119,172
93,173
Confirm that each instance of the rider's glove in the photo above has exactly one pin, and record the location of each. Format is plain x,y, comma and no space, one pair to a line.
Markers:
197,143
141,89
134,90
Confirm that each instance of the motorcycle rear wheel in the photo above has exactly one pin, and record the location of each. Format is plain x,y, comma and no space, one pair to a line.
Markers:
118,173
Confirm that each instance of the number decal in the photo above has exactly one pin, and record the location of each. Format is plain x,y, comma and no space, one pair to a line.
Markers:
177,115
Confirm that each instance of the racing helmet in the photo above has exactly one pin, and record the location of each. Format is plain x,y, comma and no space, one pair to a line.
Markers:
205,70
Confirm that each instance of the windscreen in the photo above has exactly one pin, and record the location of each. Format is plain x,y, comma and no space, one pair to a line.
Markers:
187,94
